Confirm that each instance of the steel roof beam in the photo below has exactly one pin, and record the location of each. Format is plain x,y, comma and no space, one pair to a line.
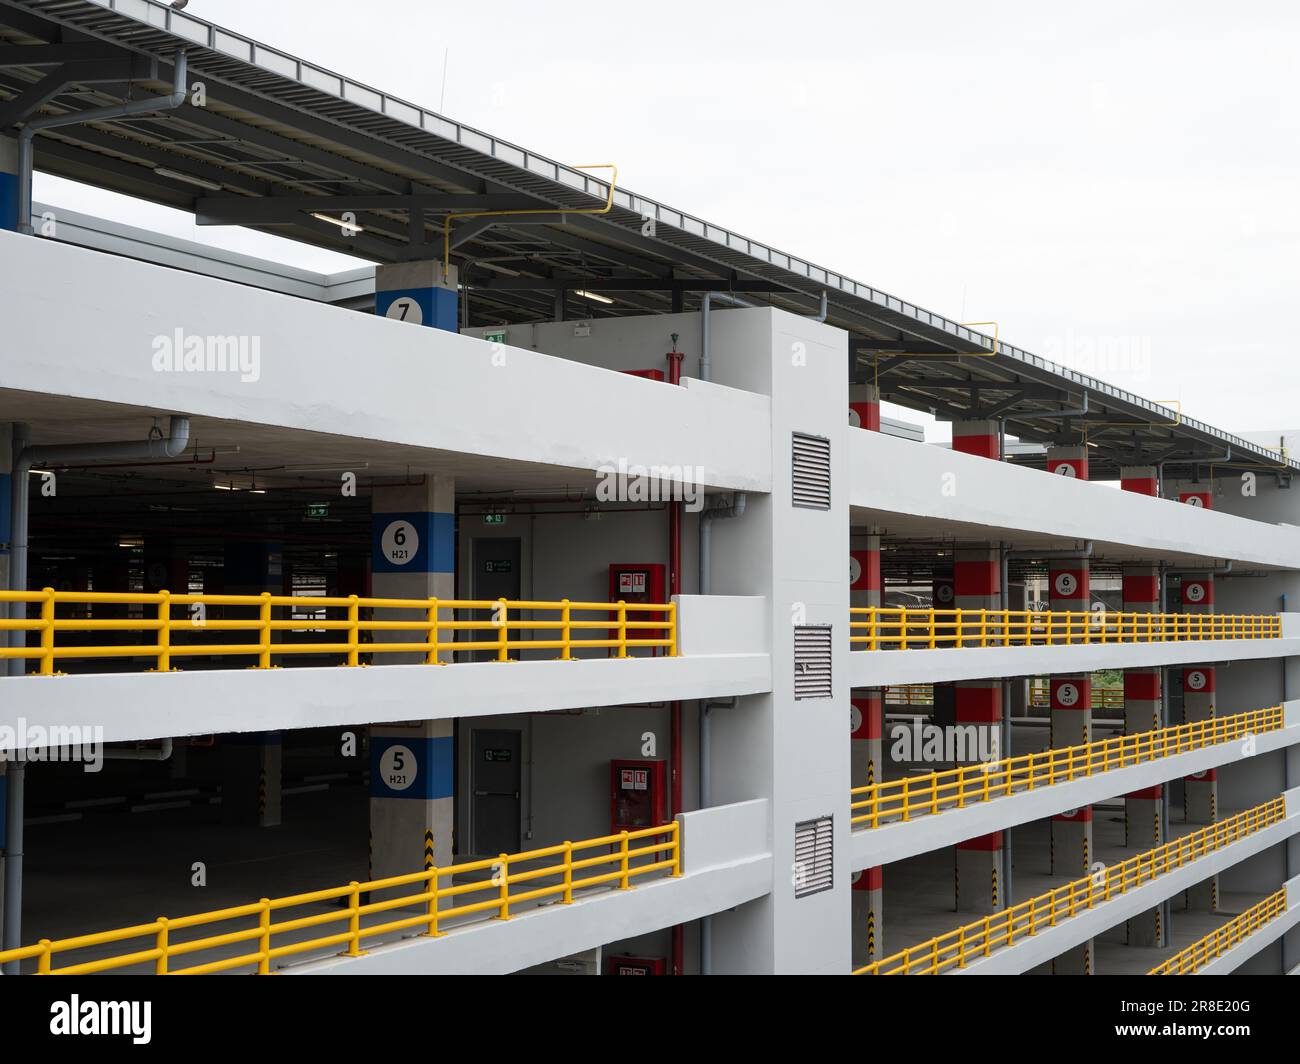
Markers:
267,210
33,55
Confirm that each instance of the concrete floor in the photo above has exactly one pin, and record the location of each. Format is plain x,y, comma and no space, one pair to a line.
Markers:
919,901
119,870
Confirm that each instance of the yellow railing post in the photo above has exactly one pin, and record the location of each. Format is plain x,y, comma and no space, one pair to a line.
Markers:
568,872
264,622
672,632
354,919
503,637
624,876
47,632
677,849
164,662
43,958
566,632
354,635
434,896
264,939
161,945
503,893
622,628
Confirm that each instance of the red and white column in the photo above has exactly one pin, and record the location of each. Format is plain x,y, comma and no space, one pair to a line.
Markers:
867,891
983,438
1197,593
1199,494
1071,721
943,596
866,765
1144,826
1140,479
1069,462
977,584
864,407
1200,790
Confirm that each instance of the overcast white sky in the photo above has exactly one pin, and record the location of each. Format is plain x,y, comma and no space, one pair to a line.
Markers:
1115,183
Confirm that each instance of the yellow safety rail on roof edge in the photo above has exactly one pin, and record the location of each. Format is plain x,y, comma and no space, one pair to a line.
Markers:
898,628
303,617
979,939
565,873
1222,939
890,801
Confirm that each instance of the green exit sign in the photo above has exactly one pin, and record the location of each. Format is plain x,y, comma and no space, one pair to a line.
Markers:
318,509
495,336
494,519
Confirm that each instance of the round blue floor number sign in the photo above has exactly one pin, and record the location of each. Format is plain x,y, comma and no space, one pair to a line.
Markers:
399,542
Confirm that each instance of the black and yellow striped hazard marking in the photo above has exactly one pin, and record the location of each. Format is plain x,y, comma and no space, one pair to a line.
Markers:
428,848
261,794
871,933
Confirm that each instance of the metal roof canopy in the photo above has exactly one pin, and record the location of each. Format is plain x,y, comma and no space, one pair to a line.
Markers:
280,138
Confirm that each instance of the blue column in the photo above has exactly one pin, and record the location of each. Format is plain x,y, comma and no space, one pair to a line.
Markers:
8,183
412,804
421,293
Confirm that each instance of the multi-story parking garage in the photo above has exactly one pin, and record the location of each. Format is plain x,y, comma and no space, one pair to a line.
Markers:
552,594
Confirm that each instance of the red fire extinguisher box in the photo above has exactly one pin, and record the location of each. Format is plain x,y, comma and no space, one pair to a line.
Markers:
630,582
625,964
638,794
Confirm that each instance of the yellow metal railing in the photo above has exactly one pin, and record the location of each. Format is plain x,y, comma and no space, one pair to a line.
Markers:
896,628
435,628
1102,697
911,796
553,872
922,694
913,694
1222,939
979,939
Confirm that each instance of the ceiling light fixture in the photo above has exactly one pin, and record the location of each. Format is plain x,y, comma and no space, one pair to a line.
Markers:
189,179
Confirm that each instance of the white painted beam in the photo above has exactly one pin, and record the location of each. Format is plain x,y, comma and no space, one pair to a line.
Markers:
342,373
881,668
973,496
726,861
897,841
1031,951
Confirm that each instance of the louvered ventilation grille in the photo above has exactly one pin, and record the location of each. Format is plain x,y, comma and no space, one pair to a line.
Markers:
812,661
810,471
814,855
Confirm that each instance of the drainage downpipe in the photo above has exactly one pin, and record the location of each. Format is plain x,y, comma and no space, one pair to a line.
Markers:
1218,570
98,114
1079,552
736,509
706,338
25,457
